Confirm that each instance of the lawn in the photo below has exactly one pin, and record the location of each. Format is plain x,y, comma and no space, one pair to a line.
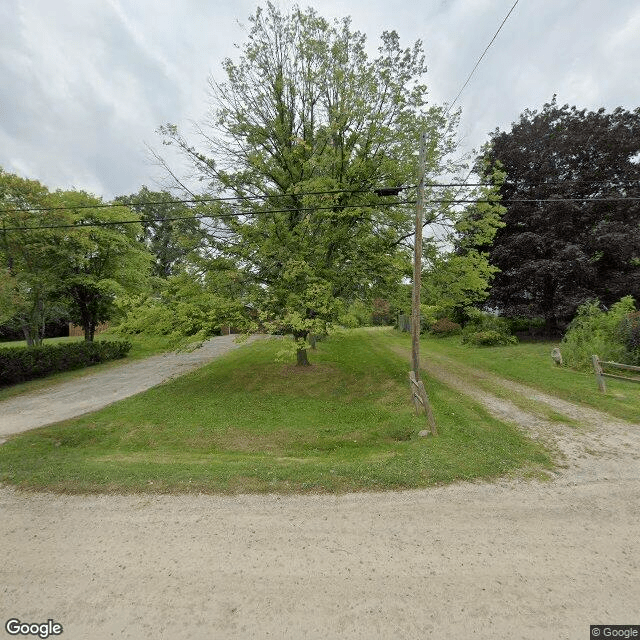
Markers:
531,364
246,423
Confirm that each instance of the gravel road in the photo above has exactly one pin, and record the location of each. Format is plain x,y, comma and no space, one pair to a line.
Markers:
523,560
97,390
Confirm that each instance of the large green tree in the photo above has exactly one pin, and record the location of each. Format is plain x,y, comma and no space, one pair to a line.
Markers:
555,252
457,277
306,127
31,256
103,258
169,229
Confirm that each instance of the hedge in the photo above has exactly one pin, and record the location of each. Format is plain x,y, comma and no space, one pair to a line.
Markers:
19,364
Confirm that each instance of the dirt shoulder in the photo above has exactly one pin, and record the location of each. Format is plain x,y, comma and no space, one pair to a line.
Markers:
505,560
96,390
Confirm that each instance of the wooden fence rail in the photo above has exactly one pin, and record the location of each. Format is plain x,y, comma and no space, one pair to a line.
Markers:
601,375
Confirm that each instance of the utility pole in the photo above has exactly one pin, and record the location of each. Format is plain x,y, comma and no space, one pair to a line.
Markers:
420,398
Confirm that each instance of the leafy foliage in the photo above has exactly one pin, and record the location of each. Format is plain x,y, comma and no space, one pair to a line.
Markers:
19,364
597,332
445,327
456,281
55,267
169,230
100,261
488,338
487,329
555,254
313,126
629,332
182,308
31,261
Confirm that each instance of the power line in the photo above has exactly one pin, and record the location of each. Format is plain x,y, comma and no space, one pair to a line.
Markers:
199,200
307,209
110,223
229,199
495,35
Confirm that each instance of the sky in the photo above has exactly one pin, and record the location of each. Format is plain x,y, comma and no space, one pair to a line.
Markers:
85,84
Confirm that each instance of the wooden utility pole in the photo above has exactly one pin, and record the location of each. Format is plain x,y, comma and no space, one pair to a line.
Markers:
420,398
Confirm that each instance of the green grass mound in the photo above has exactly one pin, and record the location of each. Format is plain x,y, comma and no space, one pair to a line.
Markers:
245,423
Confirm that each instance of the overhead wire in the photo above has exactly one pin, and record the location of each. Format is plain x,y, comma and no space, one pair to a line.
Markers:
230,199
240,214
495,35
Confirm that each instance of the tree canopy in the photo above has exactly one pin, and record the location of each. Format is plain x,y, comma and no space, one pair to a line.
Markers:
54,265
570,235
169,230
306,127
100,261
31,260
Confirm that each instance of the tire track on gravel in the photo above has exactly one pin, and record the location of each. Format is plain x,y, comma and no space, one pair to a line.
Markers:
594,451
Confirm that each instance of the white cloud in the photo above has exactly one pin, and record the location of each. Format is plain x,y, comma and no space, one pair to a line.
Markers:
84,83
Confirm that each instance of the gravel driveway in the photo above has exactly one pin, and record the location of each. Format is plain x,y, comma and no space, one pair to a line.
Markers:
96,390
522,560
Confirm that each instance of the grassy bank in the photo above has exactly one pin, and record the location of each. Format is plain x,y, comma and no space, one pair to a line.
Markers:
531,364
245,423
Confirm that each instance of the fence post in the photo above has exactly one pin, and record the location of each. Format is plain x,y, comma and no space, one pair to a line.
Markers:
598,372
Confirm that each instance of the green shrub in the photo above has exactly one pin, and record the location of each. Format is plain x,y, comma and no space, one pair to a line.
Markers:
357,314
489,338
201,316
594,331
486,329
521,324
19,364
445,327
629,332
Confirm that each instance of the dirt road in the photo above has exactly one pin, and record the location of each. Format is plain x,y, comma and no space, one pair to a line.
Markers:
515,559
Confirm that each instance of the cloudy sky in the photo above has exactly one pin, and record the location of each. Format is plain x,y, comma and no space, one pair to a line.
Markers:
84,84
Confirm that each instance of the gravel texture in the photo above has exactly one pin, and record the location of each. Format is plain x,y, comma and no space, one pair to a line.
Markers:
508,560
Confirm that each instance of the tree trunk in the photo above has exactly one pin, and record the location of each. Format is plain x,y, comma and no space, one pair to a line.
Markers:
27,335
301,353
89,331
302,359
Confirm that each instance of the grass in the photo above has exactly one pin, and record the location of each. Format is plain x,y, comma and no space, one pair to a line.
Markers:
531,364
142,347
245,423
23,343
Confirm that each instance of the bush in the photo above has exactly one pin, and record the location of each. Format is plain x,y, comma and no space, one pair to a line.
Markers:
486,329
608,334
489,338
629,333
357,314
445,327
520,324
200,317
19,364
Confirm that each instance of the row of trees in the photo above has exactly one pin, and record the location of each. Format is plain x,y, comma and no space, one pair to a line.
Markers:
52,269
67,256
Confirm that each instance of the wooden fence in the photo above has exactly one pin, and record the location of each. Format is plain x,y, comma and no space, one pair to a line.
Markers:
75,330
601,375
